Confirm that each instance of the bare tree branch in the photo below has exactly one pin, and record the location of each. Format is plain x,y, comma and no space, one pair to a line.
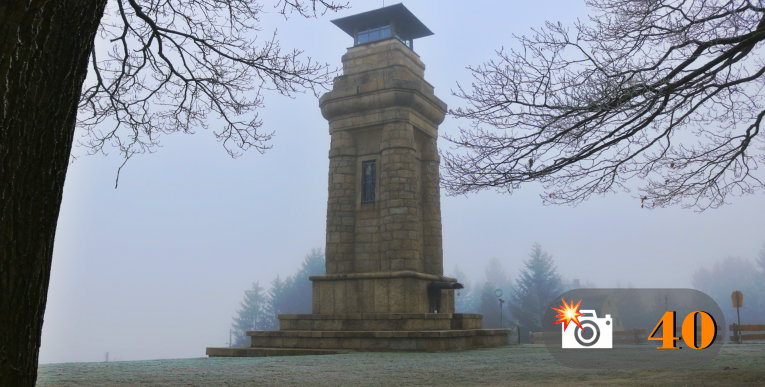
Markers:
665,92
178,66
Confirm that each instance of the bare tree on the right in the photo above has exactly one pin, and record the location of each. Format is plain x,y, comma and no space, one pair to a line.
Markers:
662,96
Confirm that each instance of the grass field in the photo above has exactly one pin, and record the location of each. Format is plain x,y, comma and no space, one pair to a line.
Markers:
526,364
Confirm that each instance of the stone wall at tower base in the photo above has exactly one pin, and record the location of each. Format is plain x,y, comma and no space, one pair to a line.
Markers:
380,322
316,342
380,292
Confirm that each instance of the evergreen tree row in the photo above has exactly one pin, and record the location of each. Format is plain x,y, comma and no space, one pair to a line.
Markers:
259,308
538,284
524,301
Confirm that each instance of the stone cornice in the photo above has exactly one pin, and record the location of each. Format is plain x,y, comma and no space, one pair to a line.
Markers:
429,106
380,274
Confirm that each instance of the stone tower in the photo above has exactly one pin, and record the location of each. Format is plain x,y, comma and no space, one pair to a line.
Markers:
384,287
383,211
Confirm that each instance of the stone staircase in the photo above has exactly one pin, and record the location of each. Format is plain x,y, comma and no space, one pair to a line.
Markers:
313,334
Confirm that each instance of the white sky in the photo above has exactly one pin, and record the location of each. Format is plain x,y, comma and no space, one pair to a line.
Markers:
157,267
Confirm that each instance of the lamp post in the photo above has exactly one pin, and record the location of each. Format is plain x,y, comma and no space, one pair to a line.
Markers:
498,293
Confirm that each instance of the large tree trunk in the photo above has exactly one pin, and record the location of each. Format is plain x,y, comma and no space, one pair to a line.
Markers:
44,46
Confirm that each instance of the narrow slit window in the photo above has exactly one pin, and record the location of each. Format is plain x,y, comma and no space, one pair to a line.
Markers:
368,175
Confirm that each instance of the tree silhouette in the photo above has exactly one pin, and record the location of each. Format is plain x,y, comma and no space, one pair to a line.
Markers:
170,66
260,309
537,285
254,314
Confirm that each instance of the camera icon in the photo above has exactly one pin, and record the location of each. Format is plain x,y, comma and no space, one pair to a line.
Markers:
599,332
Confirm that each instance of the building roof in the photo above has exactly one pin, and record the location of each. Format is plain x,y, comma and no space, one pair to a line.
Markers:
406,24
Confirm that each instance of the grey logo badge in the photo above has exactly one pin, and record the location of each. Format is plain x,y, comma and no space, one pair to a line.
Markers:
633,328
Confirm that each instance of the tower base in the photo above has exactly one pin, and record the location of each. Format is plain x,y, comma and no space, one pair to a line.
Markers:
314,334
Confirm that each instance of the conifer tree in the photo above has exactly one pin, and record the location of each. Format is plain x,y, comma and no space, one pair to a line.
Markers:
254,314
537,286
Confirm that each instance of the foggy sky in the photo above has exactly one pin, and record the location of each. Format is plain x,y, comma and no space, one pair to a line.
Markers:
157,268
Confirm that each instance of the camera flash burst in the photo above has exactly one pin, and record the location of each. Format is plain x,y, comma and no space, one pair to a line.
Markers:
568,313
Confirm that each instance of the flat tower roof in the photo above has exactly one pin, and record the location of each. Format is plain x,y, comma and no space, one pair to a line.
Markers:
406,24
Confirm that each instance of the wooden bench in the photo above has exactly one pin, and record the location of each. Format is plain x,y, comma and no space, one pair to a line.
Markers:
544,337
759,334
